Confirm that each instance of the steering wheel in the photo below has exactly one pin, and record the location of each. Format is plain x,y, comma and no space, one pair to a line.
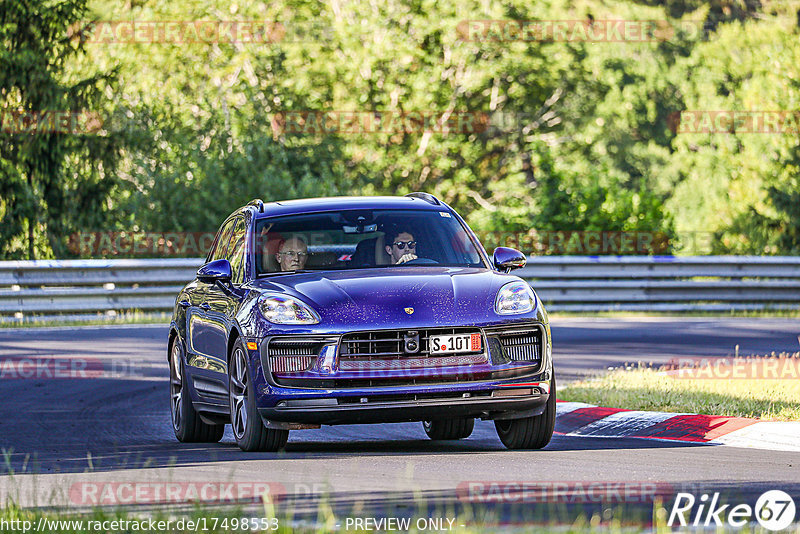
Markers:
420,261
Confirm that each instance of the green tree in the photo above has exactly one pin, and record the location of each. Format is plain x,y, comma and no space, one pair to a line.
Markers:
201,112
581,134
51,182
741,186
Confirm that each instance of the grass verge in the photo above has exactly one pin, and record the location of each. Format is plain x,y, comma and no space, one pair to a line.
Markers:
670,390
617,518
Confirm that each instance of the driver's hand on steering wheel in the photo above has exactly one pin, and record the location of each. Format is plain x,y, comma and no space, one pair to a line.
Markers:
406,257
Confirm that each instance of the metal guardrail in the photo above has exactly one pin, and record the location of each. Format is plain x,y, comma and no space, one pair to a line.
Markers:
63,288
665,283
83,289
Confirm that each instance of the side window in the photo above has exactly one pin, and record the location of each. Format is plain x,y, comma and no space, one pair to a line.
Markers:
213,246
235,253
221,245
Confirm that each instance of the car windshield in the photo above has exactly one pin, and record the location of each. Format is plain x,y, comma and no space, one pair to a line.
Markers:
360,239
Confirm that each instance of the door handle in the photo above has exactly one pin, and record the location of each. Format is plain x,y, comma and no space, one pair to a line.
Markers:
184,304
205,306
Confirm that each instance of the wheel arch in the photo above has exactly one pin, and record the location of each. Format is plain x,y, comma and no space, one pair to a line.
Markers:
234,335
173,333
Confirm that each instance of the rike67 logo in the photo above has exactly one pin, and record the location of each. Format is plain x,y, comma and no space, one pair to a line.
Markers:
774,510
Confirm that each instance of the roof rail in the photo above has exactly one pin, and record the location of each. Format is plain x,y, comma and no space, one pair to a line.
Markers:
257,202
427,197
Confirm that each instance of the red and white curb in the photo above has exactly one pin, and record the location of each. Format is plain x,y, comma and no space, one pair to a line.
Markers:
579,419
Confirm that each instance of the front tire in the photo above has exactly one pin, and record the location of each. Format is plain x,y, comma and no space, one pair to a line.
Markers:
248,428
530,432
186,422
442,429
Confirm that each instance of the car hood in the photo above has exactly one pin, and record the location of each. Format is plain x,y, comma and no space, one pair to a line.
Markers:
406,297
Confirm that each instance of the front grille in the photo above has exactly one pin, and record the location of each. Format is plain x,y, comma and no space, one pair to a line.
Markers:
385,350
290,356
521,346
390,343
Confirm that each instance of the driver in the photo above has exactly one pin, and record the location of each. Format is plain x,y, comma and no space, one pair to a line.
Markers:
292,254
401,246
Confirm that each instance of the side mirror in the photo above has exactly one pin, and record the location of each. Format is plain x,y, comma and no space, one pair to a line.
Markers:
215,271
505,259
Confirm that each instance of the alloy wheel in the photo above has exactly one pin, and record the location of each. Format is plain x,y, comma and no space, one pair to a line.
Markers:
176,386
238,393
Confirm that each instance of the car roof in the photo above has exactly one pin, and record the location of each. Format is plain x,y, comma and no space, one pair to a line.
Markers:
308,205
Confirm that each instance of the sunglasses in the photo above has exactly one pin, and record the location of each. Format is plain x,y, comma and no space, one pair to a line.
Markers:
402,244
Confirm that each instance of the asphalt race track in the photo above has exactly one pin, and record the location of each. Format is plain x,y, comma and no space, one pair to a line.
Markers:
58,434
583,346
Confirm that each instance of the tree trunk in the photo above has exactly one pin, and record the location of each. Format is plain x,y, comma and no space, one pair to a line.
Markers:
31,222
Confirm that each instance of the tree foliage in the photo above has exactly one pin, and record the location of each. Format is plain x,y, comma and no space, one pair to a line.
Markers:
51,182
581,135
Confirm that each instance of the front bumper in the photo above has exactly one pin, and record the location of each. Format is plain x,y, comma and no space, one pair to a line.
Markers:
492,390
331,411
495,399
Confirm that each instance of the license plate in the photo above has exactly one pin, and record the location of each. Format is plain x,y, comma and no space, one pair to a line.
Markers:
448,344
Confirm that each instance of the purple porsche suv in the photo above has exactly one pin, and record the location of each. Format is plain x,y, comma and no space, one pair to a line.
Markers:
358,310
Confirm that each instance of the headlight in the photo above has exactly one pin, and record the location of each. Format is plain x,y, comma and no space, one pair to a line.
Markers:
514,298
285,310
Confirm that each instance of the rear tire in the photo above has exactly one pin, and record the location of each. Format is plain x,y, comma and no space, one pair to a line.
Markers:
442,429
186,422
248,428
530,432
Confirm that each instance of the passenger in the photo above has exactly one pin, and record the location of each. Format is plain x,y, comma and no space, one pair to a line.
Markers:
401,246
292,254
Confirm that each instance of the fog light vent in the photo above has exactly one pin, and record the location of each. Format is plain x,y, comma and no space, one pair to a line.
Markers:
291,364
287,356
